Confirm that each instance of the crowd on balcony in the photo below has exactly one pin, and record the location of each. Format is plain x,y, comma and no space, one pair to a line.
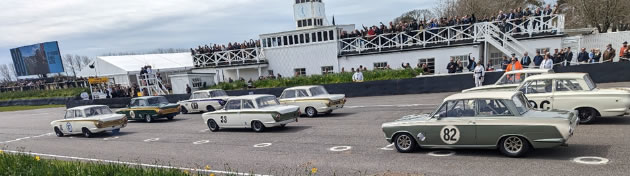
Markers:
205,49
504,19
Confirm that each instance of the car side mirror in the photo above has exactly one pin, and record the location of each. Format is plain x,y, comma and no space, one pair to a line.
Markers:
437,116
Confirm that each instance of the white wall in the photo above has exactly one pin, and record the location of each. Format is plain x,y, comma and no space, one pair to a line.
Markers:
601,40
312,57
442,57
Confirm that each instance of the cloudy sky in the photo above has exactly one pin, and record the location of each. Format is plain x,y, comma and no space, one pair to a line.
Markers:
96,27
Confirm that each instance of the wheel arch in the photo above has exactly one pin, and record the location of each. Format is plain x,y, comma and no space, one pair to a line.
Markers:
597,113
395,134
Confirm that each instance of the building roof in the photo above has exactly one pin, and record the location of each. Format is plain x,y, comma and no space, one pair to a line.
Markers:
482,95
558,76
131,64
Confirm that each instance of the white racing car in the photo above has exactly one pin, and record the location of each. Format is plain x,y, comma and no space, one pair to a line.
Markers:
88,120
576,91
204,101
312,99
251,111
510,80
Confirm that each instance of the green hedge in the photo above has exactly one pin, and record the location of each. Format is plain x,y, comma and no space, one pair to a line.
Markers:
35,94
322,79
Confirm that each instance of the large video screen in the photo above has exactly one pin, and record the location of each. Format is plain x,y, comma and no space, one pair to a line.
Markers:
37,59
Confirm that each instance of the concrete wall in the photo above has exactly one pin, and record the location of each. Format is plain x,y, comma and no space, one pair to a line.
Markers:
312,57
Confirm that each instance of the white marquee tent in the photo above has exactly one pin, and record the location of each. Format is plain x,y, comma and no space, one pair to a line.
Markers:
122,69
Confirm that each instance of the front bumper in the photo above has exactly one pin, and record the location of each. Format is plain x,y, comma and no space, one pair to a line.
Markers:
109,128
275,124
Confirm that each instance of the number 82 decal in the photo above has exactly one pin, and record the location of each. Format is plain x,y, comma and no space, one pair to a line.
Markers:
449,134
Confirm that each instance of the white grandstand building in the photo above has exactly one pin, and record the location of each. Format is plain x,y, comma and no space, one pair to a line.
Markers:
315,47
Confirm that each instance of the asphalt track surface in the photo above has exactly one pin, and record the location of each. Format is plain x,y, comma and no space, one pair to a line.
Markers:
348,142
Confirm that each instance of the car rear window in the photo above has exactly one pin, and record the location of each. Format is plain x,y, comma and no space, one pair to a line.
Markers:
589,82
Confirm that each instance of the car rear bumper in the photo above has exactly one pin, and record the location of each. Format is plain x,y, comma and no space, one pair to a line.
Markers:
549,143
329,108
275,124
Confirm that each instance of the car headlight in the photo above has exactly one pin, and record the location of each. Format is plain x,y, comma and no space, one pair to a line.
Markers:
99,124
276,116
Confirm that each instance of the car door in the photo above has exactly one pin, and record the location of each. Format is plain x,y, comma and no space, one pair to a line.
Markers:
493,121
539,93
230,118
74,124
455,125
248,114
63,125
566,94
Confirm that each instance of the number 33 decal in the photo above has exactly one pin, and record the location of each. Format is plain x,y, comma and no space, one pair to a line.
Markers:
449,134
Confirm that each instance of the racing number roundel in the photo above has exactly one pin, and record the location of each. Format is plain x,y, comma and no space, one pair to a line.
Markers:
132,114
449,134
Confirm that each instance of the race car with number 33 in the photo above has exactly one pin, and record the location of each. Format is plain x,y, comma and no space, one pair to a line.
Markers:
252,111
486,120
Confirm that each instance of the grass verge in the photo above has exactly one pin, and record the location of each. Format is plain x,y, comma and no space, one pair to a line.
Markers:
22,108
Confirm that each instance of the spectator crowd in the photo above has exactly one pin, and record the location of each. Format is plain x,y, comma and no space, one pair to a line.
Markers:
58,82
230,46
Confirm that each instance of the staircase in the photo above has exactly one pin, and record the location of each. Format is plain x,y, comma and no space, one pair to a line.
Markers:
507,44
152,84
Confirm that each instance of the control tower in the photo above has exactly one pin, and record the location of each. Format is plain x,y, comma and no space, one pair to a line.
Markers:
309,14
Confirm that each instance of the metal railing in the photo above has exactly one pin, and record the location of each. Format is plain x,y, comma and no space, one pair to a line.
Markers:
230,58
505,30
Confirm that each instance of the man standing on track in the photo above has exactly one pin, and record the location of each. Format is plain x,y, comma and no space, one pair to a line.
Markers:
480,72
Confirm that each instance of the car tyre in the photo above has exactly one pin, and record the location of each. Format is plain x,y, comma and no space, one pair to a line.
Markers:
212,125
405,143
311,112
184,110
514,146
58,132
258,126
586,115
148,118
87,133
209,108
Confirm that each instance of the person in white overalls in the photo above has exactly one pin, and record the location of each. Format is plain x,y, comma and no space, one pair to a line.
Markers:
480,72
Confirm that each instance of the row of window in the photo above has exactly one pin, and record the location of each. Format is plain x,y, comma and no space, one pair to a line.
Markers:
302,71
310,22
305,1
295,39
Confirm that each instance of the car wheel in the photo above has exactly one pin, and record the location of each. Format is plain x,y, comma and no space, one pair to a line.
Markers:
58,132
212,125
514,146
87,133
184,110
148,118
258,126
311,112
210,108
405,143
586,115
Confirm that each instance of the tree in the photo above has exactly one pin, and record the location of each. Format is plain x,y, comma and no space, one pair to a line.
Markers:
69,64
601,14
417,14
480,8
5,73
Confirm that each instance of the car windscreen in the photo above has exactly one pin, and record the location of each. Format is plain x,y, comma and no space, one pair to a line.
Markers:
589,82
157,101
267,101
521,103
513,78
95,111
218,93
315,91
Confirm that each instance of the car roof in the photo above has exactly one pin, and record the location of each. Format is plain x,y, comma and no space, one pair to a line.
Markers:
482,95
558,76
302,87
146,97
85,107
249,97
531,71
209,90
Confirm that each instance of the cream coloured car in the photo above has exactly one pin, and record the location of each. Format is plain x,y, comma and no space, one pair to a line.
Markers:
576,91
510,80
312,99
88,120
204,101
251,111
